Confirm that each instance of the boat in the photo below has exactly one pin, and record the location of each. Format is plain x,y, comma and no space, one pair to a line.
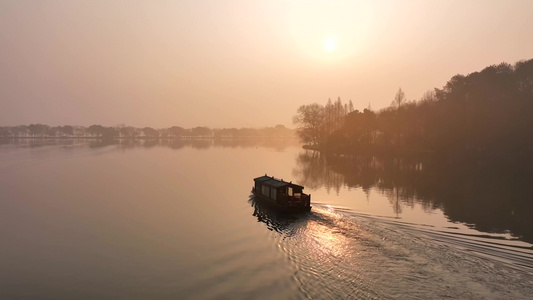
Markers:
281,195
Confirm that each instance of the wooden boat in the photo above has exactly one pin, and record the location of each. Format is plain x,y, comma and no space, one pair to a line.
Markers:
281,195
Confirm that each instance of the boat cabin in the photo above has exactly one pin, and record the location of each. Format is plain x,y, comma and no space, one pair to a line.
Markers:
281,192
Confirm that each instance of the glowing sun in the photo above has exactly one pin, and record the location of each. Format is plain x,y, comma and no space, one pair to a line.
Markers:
330,44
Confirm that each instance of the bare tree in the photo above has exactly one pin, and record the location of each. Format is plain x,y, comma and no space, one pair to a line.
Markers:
350,106
399,99
310,120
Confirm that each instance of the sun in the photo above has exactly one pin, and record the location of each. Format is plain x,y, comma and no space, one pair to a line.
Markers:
330,44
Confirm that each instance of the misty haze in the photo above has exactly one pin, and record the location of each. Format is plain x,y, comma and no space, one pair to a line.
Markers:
266,150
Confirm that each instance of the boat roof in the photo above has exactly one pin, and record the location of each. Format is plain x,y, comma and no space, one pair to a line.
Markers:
274,182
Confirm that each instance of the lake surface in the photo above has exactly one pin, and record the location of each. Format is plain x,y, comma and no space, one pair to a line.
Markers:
175,220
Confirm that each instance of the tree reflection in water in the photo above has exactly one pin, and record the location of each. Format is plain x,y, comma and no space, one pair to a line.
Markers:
176,144
491,199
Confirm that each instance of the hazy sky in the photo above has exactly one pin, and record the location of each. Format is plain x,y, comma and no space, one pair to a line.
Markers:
239,63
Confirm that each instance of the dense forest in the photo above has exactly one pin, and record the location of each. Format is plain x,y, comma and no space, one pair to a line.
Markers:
483,115
129,132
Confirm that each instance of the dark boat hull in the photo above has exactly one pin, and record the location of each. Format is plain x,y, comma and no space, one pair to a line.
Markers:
273,204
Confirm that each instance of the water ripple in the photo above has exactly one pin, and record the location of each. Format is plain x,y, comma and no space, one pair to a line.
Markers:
342,254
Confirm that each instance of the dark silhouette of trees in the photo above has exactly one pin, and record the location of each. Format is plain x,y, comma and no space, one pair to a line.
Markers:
150,132
359,131
66,130
15,131
122,131
310,122
201,131
399,99
315,122
128,132
102,132
95,130
54,131
278,131
176,131
60,131
38,130
482,116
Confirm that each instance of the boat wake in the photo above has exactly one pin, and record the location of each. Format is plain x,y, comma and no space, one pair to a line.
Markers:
507,251
338,253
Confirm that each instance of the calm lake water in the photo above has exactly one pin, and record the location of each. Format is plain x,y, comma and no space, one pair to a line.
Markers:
175,220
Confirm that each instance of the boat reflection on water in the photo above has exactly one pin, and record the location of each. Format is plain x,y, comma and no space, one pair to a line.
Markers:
334,254
321,230
285,223
325,249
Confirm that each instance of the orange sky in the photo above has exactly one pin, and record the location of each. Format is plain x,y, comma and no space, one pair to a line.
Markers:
239,63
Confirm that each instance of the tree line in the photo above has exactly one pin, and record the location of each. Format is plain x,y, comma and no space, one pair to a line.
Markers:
483,114
316,122
129,132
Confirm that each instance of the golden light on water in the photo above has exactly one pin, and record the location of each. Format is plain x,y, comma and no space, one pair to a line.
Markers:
327,243
328,235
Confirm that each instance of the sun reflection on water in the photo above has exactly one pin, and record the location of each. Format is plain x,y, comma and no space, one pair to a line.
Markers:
328,237
327,255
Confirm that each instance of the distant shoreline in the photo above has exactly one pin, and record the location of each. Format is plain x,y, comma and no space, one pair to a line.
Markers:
142,138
